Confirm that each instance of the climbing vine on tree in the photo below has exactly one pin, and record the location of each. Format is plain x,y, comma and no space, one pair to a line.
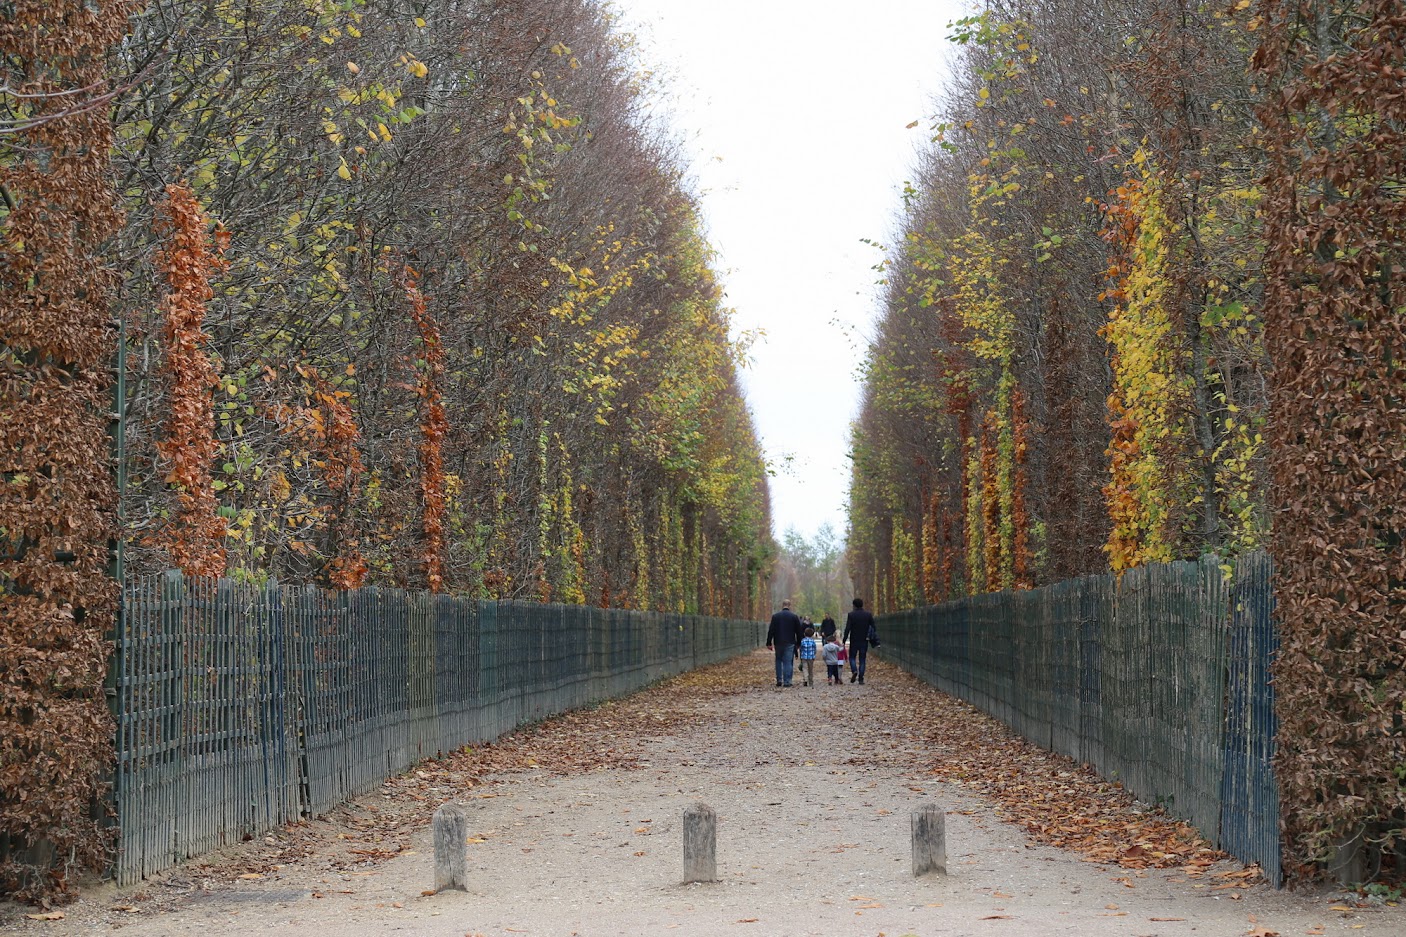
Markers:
1147,490
193,536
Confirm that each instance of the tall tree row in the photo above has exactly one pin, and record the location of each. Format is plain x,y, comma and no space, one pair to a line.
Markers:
409,294
459,331
1141,306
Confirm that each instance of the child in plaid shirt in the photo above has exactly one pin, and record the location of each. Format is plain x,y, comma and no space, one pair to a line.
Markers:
808,647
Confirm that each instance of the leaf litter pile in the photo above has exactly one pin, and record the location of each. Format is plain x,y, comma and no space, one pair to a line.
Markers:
1055,800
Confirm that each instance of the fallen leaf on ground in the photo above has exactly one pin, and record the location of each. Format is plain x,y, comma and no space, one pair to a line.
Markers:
46,916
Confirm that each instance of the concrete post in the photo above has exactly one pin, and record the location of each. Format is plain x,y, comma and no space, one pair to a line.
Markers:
700,844
451,859
929,840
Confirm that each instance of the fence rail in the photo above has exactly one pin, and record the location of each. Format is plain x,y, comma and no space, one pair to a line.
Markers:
1159,679
243,707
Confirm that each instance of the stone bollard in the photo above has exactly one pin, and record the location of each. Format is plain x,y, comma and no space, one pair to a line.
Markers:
929,840
700,844
1348,863
451,859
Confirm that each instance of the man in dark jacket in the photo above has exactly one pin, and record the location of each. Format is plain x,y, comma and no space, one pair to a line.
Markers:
857,625
784,633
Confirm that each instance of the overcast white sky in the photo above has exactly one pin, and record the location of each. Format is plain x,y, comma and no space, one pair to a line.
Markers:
795,116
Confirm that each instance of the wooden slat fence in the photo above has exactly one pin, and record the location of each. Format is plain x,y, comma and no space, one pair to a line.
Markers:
1159,679
242,707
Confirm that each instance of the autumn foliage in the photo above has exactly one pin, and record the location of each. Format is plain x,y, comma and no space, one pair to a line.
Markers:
1335,330
57,494
546,407
430,374
1069,363
1185,268
413,300
194,535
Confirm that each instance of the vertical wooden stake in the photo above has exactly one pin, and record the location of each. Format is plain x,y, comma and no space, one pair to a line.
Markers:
451,858
929,840
700,844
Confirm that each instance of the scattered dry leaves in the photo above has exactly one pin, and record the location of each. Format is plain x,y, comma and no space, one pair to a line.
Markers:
1056,801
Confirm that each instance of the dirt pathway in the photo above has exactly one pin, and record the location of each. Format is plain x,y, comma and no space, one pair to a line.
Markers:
577,831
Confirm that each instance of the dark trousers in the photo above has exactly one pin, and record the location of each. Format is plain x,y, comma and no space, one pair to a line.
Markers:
858,657
785,661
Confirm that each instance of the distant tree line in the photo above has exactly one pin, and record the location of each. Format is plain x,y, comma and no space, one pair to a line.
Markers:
811,573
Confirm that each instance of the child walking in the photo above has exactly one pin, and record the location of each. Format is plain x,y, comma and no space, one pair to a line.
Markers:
832,651
843,656
808,645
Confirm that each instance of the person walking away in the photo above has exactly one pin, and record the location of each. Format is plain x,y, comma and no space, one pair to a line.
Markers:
783,634
827,628
857,625
832,652
808,648
843,655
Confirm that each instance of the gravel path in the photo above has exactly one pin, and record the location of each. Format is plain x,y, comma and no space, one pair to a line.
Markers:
582,837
